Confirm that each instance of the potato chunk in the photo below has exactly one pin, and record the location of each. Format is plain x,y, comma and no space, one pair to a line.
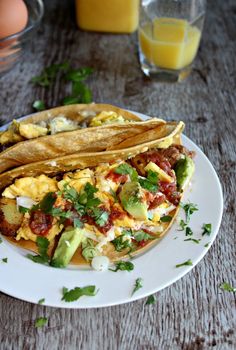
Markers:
10,218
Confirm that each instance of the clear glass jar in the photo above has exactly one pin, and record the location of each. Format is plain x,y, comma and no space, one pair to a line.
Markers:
169,37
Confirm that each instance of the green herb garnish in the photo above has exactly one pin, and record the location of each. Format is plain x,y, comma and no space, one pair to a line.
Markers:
206,229
23,210
188,231
227,287
193,240
49,74
5,260
42,257
40,322
39,105
77,292
1,240
186,263
126,169
207,245
151,182
100,216
189,209
142,236
123,241
138,285
123,266
151,300
41,301
166,218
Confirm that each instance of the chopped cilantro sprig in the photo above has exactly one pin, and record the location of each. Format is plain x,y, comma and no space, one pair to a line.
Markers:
123,266
78,292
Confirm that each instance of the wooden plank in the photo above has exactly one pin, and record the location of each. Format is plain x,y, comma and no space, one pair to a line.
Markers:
193,313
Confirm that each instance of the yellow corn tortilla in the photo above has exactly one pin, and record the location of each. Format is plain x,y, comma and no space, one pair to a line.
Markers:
73,162
83,160
92,139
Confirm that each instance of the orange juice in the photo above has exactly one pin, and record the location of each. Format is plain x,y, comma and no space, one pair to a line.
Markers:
169,43
115,16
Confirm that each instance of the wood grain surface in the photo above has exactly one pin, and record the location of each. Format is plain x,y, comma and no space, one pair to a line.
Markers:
193,313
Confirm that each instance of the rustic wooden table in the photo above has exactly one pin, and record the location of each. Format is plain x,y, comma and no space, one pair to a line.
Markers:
193,313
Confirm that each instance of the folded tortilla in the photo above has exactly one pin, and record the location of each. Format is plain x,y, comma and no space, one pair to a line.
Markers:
161,136
88,139
170,135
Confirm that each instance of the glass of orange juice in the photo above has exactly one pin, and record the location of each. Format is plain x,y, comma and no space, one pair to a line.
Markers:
169,37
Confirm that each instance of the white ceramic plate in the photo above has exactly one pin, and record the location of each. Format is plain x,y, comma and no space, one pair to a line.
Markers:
26,280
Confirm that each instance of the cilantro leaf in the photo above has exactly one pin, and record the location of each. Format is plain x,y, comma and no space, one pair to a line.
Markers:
77,75
193,240
188,231
78,223
186,263
48,75
100,216
206,229
4,260
23,210
41,301
182,225
147,185
38,105
151,300
227,287
123,241
166,218
126,169
47,203
123,266
42,257
40,322
138,285
189,209
207,245
77,292
142,236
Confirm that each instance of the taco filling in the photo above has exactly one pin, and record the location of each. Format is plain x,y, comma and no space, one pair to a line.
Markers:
113,209
20,131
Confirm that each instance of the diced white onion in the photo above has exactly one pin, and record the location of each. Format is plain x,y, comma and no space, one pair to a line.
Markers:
100,263
25,202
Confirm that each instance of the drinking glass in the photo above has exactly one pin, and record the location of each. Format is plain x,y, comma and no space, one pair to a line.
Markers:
169,37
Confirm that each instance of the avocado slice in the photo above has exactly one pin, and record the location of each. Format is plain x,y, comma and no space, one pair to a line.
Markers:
67,245
132,201
184,170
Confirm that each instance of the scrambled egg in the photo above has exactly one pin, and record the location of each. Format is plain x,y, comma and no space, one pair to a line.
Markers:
77,180
32,131
60,124
107,118
33,187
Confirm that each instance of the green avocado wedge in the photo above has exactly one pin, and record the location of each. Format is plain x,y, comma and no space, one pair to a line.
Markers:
69,241
184,170
132,201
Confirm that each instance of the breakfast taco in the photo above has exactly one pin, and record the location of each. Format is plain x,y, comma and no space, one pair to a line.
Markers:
106,204
66,130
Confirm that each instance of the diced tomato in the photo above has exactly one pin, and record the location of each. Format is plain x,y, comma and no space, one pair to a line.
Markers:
157,200
116,214
160,160
118,178
170,190
40,223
